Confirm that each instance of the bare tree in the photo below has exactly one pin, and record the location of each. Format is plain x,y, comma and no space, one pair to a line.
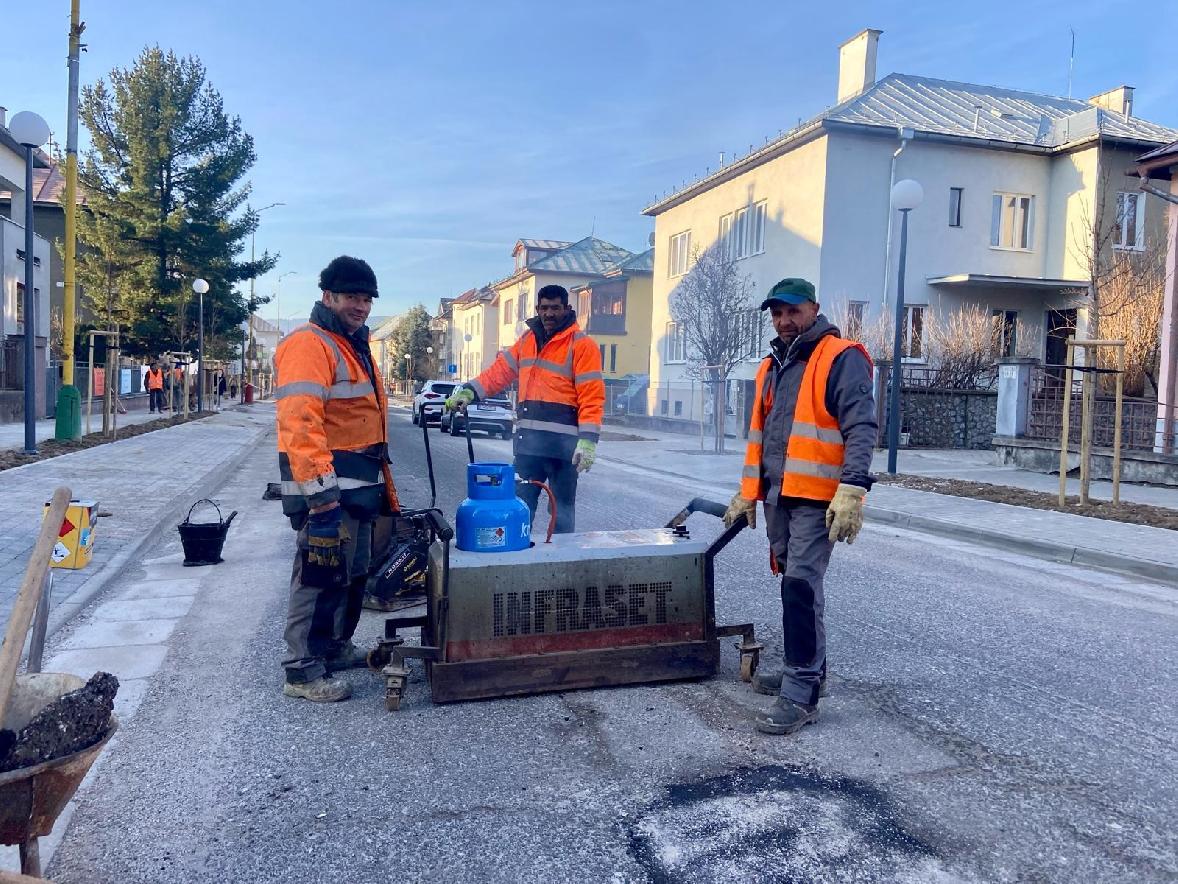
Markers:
963,345
713,305
1127,281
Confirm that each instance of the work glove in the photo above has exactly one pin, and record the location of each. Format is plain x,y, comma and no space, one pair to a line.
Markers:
844,516
584,455
460,398
325,565
740,506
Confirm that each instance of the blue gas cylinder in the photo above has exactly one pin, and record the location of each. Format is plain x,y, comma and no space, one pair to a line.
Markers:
492,518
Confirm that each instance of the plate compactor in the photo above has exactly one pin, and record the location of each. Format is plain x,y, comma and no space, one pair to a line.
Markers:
584,610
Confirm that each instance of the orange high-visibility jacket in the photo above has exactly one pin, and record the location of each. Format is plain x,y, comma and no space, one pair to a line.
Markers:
561,390
155,379
332,424
814,452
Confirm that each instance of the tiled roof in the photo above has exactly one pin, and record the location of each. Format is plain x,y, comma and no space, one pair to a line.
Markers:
550,244
945,108
640,263
1166,151
590,255
49,186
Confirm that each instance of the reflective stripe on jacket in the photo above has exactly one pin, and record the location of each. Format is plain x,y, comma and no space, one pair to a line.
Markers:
332,423
815,450
561,389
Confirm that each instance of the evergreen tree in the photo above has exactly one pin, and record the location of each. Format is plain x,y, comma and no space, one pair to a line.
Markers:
412,336
166,204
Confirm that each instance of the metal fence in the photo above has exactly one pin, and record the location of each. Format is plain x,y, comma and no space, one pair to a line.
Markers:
1045,414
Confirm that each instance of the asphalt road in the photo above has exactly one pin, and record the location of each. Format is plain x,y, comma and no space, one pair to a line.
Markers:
992,718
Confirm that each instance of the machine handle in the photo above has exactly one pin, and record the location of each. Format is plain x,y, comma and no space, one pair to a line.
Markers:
440,525
698,505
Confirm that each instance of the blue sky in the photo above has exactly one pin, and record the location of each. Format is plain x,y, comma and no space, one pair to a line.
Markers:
428,137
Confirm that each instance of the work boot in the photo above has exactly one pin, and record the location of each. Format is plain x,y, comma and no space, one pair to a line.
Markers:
769,684
349,657
785,717
321,690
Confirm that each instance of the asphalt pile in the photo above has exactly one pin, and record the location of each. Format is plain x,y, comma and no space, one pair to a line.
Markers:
69,724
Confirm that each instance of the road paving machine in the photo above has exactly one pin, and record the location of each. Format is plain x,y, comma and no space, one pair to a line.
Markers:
583,610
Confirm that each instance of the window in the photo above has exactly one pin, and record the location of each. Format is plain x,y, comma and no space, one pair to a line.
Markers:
663,407
613,358
912,343
508,311
1130,230
757,229
856,310
678,408
583,302
601,350
676,343
1012,221
724,239
1005,332
608,305
740,232
955,206
679,253
750,329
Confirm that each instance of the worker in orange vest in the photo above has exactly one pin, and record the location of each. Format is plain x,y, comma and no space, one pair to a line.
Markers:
561,401
333,460
154,381
811,437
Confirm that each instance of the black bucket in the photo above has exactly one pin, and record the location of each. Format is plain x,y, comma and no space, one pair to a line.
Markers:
203,540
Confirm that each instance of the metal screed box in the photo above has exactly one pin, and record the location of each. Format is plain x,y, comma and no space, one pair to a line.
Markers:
587,610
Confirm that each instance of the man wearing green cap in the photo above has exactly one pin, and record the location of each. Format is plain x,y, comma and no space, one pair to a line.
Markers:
811,436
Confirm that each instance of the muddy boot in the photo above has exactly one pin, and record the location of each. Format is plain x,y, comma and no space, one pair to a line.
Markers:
769,684
349,657
785,717
321,690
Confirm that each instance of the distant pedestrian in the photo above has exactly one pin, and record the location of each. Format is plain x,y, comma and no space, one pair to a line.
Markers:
219,389
154,382
233,388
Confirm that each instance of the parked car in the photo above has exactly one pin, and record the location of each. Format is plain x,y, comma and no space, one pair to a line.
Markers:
429,400
488,415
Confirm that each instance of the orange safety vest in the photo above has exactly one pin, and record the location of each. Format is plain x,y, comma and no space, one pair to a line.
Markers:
332,425
561,390
814,451
155,379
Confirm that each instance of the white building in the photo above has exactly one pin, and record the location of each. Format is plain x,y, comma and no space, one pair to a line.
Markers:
1012,182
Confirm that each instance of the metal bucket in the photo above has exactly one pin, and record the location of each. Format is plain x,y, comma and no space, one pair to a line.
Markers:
203,541
31,798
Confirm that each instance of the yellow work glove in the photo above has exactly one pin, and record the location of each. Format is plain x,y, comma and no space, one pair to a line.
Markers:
740,506
460,398
844,516
584,456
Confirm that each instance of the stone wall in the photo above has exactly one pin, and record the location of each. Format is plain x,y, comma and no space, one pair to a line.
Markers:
949,418
1043,456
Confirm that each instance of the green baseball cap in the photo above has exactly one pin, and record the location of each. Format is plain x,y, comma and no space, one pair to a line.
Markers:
791,290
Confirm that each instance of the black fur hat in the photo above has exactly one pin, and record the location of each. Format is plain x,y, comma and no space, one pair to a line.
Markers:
346,275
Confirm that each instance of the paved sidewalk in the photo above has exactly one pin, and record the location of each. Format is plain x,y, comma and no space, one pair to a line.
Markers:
145,483
1148,552
13,435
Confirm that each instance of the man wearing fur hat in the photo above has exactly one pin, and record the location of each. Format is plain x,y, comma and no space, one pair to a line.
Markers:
333,459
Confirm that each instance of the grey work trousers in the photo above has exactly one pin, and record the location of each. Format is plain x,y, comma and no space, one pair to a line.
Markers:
320,622
798,539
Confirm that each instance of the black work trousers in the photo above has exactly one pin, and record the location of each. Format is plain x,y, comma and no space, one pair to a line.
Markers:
155,400
558,474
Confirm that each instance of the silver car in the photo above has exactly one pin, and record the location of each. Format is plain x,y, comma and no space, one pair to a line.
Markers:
492,416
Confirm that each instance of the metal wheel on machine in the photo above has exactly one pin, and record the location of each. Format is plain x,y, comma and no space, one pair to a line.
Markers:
454,431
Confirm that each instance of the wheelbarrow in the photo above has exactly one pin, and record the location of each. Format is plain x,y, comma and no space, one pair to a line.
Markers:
31,798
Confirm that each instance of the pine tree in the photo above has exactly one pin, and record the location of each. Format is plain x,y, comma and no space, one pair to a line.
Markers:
412,336
165,200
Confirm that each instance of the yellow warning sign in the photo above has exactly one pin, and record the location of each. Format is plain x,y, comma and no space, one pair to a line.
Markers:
75,539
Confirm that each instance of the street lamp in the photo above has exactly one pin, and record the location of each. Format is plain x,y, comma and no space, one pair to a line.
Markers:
429,352
30,131
200,287
906,196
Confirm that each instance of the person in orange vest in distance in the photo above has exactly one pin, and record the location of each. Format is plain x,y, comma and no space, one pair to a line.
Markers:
561,401
177,378
811,436
333,457
154,381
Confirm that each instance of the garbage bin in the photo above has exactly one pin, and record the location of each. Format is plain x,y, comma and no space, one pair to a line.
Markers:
75,541
249,393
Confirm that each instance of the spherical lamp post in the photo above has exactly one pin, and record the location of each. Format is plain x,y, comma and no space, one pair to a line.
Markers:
906,196
200,287
30,131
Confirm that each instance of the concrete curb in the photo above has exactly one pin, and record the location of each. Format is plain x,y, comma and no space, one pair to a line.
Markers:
1041,549
167,518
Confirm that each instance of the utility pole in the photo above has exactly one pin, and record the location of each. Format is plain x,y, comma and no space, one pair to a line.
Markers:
69,400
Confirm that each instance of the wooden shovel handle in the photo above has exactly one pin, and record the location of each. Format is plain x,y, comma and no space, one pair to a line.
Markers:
29,595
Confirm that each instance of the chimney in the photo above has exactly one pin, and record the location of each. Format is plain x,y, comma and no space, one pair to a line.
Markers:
857,64
1119,100
3,117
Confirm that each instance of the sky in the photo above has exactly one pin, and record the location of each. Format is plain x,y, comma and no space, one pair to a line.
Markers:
427,138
